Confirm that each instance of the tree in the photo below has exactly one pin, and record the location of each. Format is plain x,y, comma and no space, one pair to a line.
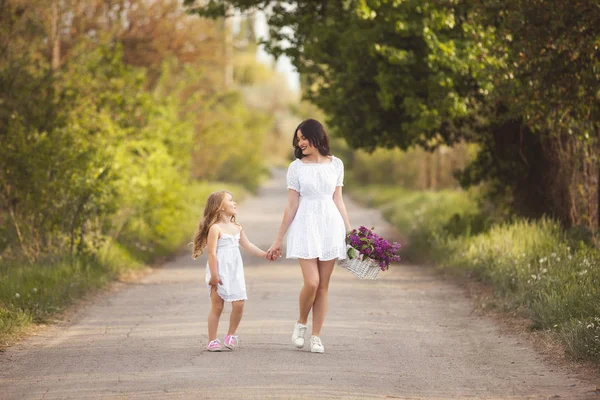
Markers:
386,73
547,80
149,32
517,77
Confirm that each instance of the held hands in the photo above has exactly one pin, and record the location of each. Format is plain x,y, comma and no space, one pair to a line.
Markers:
274,251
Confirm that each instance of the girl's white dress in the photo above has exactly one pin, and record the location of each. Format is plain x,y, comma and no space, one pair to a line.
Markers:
230,268
317,230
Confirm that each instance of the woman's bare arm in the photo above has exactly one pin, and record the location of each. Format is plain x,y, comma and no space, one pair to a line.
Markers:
338,199
289,213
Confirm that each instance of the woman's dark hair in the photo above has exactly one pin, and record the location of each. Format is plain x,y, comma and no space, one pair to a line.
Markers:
316,135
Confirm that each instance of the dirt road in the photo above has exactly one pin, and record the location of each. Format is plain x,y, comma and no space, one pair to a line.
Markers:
408,335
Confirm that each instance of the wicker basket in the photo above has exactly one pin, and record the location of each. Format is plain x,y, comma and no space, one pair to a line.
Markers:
367,269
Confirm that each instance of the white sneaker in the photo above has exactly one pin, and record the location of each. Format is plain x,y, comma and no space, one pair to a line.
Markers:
298,335
315,345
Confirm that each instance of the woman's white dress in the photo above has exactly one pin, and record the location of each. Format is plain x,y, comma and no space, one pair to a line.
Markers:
317,230
230,268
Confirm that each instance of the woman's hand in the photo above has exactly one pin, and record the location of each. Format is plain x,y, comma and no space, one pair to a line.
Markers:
214,280
274,251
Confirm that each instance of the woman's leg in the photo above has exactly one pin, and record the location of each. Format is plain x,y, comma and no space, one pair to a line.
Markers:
216,308
322,295
237,309
310,272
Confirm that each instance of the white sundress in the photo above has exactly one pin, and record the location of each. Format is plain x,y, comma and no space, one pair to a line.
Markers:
318,229
230,268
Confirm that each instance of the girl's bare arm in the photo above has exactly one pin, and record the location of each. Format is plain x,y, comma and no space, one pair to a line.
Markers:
211,250
251,247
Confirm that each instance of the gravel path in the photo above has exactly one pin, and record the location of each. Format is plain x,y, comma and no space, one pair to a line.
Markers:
408,335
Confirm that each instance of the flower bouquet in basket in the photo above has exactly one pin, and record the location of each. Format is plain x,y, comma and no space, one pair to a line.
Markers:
368,253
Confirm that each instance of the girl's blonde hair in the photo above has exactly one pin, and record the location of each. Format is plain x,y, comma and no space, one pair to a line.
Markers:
212,214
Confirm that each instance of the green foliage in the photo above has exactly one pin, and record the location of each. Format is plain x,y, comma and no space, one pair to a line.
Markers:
411,169
220,135
81,166
422,215
516,77
59,164
97,156
549,63
535,267
248,72
403,69
581,338
385,166
231,142
115,161
539,137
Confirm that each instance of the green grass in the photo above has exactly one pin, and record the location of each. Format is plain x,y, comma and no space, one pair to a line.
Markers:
35,292
32,293
421,216
534,266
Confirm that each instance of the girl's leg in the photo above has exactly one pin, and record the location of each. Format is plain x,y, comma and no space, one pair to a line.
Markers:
310,272
237,309
322,295
216,308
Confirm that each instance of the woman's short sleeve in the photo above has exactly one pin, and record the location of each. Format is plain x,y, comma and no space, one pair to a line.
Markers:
340,176
292,177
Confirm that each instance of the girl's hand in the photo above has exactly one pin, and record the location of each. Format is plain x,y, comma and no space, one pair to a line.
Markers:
274,251
214,280
274,256
263,254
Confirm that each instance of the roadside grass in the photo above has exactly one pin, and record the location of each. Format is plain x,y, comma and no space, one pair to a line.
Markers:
32,293
535,267
421,216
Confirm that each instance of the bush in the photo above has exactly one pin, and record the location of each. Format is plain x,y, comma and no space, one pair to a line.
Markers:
534,266
421,216
100,185
582,338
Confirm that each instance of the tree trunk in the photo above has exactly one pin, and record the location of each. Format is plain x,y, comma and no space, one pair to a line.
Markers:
434,169
228,50
423,171
577,178
55,34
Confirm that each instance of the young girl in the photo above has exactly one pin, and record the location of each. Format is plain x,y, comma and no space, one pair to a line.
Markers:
219,232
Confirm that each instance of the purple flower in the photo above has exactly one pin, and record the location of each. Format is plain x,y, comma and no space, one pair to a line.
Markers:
369,244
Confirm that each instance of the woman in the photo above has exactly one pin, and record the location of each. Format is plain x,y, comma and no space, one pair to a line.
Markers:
317,220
